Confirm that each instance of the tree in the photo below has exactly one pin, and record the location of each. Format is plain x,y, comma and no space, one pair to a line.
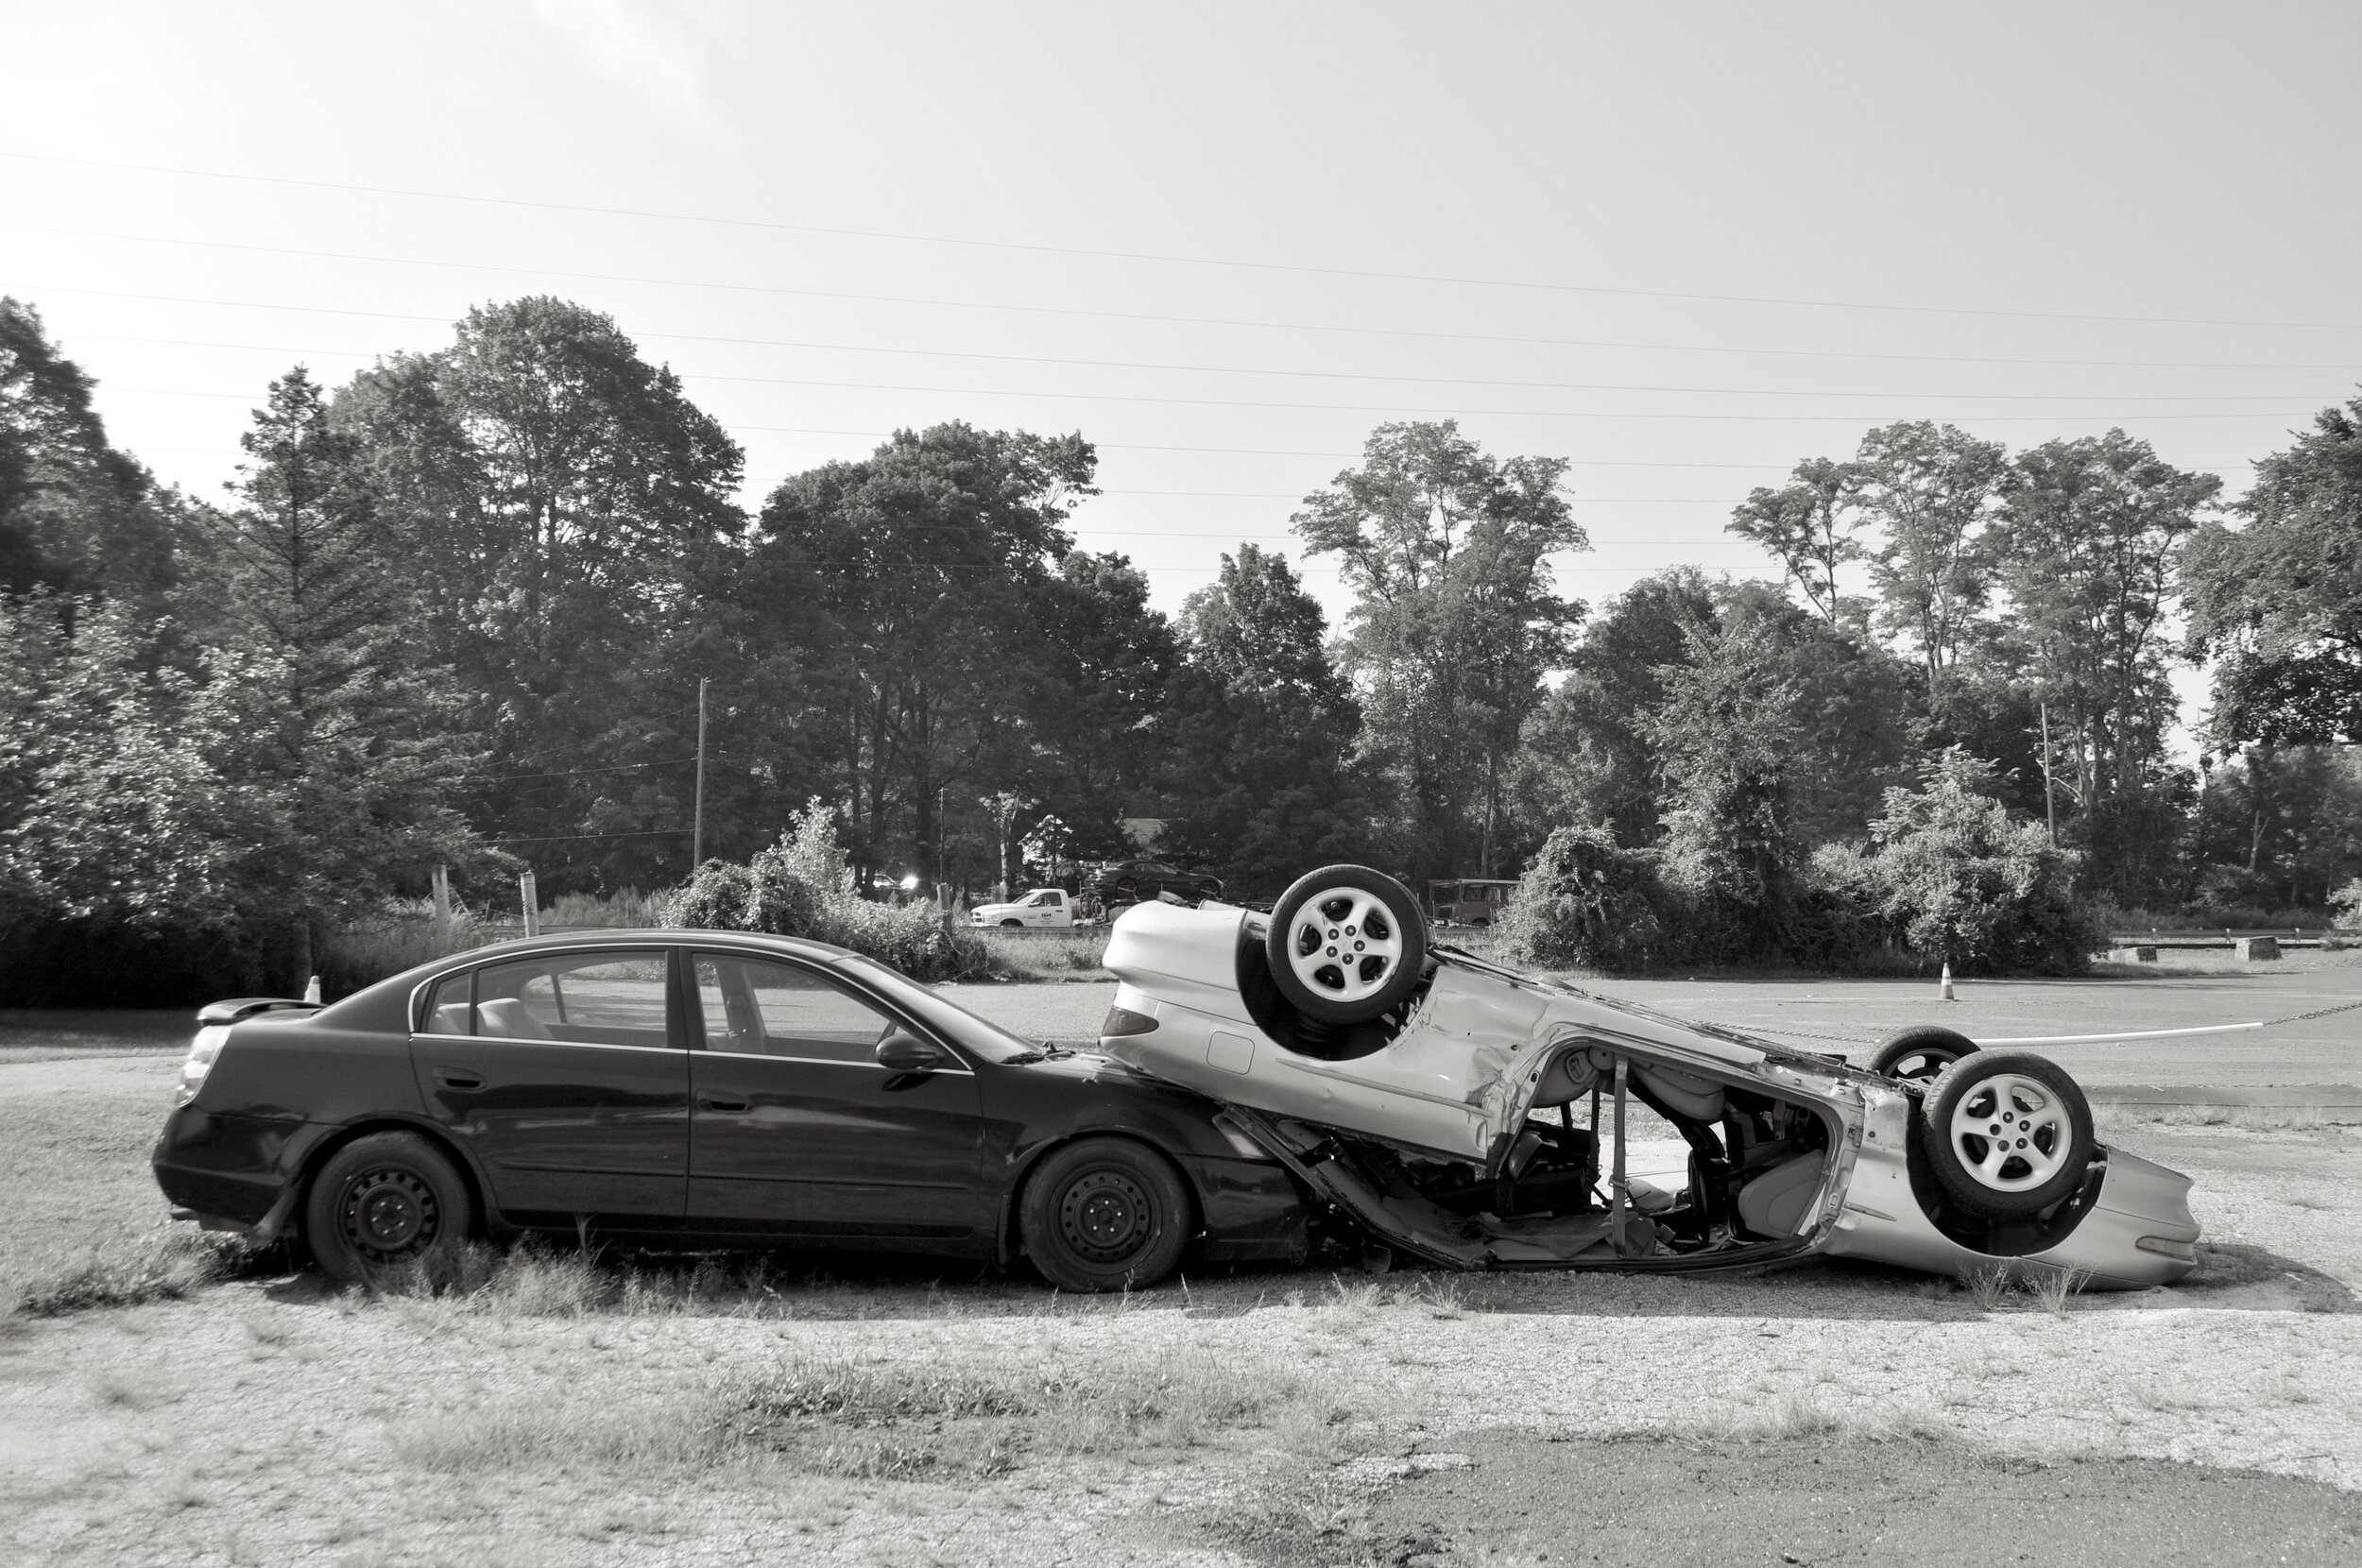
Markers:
551,497
76,516
1931,488
1805,526
931,562
2086,549
1960,884
1583,754
1724,738
2278,604
359,745
1456,623
1260,728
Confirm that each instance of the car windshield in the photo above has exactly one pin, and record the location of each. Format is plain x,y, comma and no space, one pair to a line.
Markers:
985,1038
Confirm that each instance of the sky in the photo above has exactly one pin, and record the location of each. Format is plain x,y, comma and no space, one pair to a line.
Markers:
1681,247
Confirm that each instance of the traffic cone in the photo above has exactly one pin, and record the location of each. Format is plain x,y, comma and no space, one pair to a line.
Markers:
1944,991
312,992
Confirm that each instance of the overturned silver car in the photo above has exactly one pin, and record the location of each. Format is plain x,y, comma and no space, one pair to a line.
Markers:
1460,1111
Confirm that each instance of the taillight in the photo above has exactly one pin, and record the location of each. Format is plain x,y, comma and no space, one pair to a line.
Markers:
1122,1020
202,1051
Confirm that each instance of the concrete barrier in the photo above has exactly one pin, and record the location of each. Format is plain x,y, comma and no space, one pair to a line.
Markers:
2141,954
2257,949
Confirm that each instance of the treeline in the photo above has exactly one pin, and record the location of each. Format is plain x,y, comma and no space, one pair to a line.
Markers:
456,610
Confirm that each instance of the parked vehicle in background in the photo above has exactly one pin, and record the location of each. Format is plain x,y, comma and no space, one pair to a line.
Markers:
703,1088
1140,881
1043,910
1467,900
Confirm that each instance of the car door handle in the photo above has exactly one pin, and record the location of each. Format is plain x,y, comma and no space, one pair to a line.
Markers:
707,1102
451,1078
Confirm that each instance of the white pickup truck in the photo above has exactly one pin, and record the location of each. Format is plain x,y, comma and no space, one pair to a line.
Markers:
1044,908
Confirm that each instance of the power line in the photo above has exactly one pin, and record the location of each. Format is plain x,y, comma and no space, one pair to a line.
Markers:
1314,375
1168,258
1844,418
1504,338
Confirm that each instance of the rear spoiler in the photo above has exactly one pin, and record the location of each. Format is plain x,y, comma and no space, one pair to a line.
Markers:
237,1008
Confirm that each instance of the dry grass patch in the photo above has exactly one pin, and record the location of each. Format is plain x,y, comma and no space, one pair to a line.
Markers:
1048,955
161,1265
944,1419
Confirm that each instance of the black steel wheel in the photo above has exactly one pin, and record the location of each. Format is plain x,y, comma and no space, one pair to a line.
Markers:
1917,1055
386,1202
2009,1134
1104,1213
1346,944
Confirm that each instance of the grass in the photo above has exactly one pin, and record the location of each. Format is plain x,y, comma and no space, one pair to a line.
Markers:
157,1266
2251,1119
941,1417
1997,1287
1048,955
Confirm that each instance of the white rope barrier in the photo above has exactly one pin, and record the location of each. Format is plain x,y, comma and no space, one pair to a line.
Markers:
2120,1034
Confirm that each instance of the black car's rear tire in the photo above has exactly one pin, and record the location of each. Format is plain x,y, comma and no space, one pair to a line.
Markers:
1918,1054
1346,944
2008,1133
385,1204
1104,1213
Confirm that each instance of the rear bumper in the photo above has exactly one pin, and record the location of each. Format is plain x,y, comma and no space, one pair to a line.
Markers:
232,1173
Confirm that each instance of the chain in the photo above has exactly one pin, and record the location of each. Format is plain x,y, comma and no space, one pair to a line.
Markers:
2308,1017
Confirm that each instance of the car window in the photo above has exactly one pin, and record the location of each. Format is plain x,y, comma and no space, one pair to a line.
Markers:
1036,901
447,1008
759,1008
604,998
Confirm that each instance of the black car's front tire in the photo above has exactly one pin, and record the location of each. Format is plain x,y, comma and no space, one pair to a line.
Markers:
387,1203
1104,1213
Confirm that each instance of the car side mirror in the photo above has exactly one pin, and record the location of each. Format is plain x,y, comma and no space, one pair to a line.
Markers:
901,1051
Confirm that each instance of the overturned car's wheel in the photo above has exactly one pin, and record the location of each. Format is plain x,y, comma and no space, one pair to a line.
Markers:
1346,944
1917,1055
1104,1213
2008,1133
387,1203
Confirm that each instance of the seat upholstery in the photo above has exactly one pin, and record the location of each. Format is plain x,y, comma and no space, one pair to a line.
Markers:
509,1019
1774,1202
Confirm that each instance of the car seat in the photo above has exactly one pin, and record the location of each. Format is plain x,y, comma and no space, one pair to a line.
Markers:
509,1019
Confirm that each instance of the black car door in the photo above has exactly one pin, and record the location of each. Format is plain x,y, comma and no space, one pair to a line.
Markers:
796,1129
566,1074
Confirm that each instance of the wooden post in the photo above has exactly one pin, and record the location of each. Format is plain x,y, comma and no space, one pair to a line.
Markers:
442,908
2050,801
697,829
530,897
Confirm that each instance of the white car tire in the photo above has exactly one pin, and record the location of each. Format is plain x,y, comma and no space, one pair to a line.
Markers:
2008,1133
1346,944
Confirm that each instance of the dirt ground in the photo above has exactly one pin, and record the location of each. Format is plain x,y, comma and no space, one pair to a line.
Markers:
1829,1414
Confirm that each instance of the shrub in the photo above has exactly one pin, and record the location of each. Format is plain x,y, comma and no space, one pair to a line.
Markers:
801,886
2347,901
1588,903
1955,880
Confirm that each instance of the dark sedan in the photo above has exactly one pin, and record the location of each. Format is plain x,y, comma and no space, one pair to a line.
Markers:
1134,881
700,1088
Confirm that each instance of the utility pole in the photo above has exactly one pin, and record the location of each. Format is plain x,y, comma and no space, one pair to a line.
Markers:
697,827
2050,799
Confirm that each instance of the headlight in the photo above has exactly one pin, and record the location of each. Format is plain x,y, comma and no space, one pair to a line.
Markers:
202,1051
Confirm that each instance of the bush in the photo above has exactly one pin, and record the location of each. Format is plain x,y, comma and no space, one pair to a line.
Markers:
801,886
2347,901
1955,880
1588,903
